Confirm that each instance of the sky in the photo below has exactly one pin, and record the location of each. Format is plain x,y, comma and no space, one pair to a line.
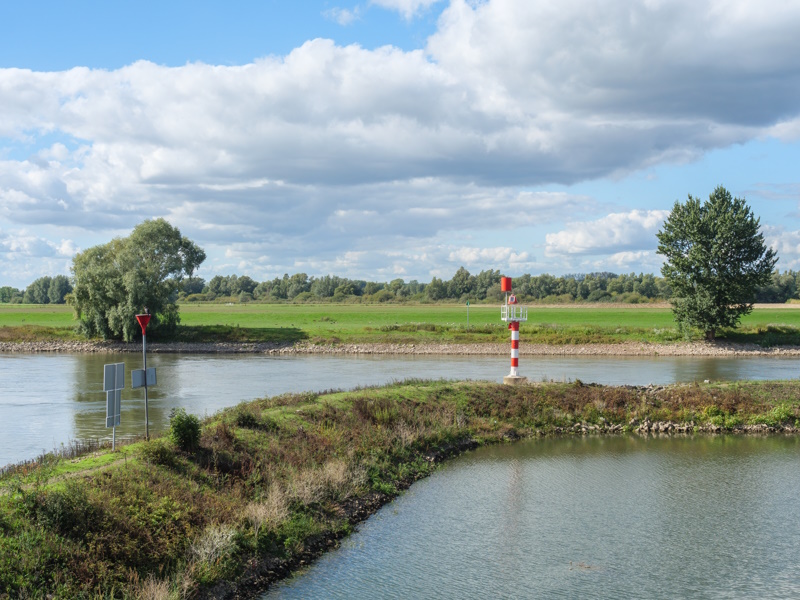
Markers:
386,139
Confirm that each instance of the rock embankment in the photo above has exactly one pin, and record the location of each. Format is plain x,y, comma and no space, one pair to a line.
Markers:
648,427
621,349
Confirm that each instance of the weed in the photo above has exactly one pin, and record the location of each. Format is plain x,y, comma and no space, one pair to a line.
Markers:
272,511
184,429
158,451
153,589
215,542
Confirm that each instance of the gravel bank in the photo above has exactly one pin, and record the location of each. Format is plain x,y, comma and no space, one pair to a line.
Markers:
623,349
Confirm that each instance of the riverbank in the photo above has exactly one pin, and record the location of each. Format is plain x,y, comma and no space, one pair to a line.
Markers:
275,482
697,348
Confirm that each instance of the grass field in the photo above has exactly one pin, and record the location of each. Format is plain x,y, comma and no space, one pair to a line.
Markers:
347,323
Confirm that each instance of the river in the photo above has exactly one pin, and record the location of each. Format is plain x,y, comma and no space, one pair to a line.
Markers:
596,517
49,399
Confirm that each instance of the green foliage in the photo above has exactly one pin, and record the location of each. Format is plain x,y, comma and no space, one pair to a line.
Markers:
9,294
58,289
158,452
67,510
716,258
184,429
36,292
117,280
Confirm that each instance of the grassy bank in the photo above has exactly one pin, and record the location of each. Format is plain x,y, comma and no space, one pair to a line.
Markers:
277,481
405,324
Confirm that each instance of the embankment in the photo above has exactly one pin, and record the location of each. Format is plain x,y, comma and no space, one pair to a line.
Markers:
620,349
272,483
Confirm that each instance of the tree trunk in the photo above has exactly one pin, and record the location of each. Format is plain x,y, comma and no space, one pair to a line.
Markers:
710,335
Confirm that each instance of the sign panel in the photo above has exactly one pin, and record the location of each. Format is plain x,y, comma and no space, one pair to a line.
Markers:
138,377
113,377
113,407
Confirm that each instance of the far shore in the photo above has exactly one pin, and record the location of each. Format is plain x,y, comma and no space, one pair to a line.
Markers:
718,348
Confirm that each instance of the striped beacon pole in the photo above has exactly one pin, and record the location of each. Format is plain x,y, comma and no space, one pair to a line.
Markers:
513,314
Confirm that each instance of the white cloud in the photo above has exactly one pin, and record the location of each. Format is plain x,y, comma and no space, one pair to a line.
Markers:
328,150
343,16
499,256
408,8
612,234
786,244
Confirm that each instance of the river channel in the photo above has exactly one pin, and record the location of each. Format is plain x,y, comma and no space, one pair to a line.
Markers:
596,517
49,399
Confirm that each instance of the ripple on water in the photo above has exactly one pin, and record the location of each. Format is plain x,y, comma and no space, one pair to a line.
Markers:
590,518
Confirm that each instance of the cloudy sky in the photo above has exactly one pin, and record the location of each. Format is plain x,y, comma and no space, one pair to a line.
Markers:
392,138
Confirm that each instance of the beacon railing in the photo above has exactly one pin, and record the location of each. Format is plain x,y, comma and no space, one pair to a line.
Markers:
513,312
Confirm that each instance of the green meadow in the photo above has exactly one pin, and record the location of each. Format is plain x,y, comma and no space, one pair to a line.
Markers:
414,323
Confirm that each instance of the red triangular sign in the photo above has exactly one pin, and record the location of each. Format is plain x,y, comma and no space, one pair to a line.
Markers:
143,321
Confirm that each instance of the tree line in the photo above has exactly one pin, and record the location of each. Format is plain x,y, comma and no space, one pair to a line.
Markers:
483,286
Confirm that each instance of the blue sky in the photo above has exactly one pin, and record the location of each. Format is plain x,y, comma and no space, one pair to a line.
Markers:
392,138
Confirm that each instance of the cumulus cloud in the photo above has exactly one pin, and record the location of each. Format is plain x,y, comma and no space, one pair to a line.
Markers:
786,244
491,256
330,149
613,234
408,8
343,16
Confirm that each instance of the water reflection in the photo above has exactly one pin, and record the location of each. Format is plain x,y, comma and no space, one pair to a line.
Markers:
49,399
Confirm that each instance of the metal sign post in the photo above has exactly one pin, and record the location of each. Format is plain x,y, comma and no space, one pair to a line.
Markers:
142,377
113,382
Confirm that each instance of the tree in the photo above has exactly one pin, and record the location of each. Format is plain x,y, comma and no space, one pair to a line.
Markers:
115,281
716,259
436,289
193,285
59,288
36,292
10,294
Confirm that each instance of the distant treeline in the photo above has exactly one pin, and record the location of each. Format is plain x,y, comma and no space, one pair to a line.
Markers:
45,290
485,286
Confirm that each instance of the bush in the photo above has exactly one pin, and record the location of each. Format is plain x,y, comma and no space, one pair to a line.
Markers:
184,429
67,510
158,452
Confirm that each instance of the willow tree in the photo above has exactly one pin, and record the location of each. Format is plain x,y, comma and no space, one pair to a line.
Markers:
115,281
716,258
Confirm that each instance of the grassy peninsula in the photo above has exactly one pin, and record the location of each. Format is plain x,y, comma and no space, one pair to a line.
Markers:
274,482
585,323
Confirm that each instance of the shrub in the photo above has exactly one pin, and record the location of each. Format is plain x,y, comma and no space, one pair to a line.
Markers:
184,429
158,452
67,510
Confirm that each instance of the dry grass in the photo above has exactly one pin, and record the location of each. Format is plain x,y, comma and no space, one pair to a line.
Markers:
216,542
273,511
154,589
334,480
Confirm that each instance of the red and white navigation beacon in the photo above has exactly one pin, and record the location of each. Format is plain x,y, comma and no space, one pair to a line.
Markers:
144,377
514,314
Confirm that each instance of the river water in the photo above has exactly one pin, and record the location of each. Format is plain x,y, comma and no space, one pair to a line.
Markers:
596,517
49,399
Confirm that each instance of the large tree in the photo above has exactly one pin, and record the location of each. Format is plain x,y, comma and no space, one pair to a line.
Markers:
715,259
117,280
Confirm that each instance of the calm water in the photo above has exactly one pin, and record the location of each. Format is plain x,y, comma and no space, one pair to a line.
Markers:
48,399
625,517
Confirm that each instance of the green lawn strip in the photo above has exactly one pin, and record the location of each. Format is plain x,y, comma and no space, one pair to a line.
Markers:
276,480
409,324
